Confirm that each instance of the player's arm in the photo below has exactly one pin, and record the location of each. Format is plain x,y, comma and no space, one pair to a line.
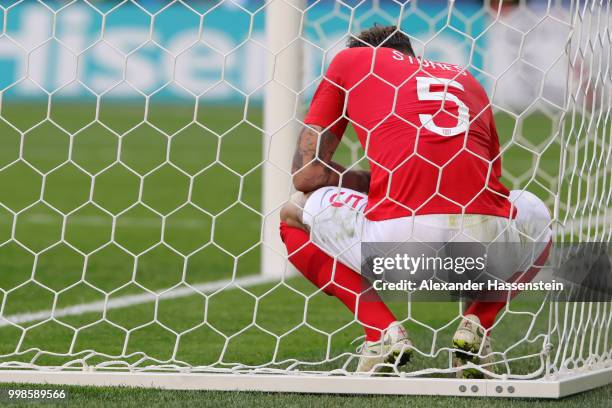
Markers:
313,168
326,121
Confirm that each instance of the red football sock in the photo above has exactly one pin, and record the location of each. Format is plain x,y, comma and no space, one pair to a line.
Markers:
487,311
337,280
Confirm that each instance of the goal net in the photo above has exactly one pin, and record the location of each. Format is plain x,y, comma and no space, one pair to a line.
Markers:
146,156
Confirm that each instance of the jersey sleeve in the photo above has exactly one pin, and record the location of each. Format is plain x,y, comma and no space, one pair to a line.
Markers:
327,106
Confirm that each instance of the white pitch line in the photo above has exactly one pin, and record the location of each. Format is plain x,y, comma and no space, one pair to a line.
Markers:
131,300
96,221
99,221
580,225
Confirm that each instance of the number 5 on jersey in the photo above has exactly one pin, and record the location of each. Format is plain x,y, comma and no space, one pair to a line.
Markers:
425,94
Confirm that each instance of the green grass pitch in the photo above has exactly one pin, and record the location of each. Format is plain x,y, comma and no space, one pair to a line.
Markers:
107,175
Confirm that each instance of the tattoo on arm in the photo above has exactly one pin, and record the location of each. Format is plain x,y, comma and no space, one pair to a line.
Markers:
312,166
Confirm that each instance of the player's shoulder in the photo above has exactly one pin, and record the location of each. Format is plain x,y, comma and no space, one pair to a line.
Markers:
449,70
347,62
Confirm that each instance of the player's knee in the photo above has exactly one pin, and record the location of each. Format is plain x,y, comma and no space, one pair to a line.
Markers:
533,217
530,205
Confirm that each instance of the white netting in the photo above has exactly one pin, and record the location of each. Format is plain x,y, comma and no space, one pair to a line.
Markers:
131,216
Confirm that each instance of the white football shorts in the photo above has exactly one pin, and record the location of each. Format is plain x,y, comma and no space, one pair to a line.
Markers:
338,226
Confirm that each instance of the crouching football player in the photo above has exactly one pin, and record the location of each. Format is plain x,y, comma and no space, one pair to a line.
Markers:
428,132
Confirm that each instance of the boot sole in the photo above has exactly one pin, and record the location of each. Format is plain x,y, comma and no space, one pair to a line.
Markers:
403,357
467,373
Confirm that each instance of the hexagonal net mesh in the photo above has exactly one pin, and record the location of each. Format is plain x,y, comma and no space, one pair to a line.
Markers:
140,185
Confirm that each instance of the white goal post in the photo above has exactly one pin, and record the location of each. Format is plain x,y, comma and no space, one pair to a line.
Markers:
281,108
547,68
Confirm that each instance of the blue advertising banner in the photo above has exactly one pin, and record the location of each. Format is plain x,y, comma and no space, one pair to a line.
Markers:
214,50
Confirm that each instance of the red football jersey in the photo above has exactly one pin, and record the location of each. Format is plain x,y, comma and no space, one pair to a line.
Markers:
427,129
